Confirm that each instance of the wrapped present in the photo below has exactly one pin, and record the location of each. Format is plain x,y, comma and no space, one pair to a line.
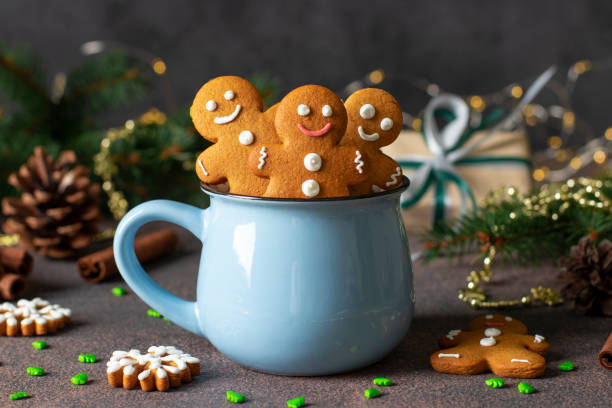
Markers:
454,166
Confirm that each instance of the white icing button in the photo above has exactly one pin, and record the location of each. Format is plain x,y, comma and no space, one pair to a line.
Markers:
312,162
538,339
303,110
310,188
386,124
367,111
489,316
211,105
492,332
487,342
246,137
508,318
327,111
229,95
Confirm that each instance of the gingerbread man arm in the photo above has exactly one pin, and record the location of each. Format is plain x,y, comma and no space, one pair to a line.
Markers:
535,343
451,339
352,163
261,160
388,174
209,168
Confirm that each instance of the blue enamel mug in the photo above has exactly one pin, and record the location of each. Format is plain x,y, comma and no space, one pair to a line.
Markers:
287,286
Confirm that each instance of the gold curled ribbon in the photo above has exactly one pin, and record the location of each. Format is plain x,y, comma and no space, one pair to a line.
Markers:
474,295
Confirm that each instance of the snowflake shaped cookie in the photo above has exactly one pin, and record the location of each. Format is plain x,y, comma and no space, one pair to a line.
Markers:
32,317
160,368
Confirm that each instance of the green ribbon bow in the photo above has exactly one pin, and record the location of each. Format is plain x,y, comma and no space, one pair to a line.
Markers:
449,147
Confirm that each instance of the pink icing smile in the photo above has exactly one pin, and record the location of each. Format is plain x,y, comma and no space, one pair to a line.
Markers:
315,133
491,324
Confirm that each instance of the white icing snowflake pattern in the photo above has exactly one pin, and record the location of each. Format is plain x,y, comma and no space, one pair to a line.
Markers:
160,368
32,317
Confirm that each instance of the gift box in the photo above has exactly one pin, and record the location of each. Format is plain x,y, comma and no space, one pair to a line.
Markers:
453,166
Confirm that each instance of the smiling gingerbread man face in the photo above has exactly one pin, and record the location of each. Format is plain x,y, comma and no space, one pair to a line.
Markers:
311,115
228,111
374,120
226,105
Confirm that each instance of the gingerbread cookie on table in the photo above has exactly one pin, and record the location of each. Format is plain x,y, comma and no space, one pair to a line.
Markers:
494,343
228,111
309,163
374,121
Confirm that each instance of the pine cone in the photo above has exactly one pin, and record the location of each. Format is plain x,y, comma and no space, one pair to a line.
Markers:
58,209
588,274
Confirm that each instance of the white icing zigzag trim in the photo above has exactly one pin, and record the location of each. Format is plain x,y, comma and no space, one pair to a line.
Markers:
202,167
262,158
519,360
358,160
227,119
394,176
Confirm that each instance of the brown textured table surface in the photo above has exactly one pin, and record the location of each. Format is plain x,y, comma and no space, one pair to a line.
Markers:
103,323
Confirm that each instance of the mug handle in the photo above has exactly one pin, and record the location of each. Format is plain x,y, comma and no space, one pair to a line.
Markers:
179,311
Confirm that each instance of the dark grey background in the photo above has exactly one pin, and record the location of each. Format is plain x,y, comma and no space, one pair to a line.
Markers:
465,46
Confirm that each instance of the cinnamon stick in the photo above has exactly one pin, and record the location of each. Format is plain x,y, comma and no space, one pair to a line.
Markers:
100,266
16,260
12,286
605,355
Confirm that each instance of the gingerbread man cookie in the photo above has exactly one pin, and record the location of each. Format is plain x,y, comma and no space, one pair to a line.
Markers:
228,111
310,121
374,121
494,343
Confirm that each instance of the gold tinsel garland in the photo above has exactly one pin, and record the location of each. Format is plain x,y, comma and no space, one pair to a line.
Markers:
107,169
583,192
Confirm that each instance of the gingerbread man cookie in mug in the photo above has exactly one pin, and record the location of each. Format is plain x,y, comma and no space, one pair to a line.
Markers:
374,121
228,111
494,343
310,121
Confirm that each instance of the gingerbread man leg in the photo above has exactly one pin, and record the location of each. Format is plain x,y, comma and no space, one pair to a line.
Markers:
519,363
458,360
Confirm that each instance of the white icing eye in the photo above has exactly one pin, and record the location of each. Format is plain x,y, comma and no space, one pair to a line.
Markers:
386,124
229,95
303,110
327,111
367,111
211,105
246,137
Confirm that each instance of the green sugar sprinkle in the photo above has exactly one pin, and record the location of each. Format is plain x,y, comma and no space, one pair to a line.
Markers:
382,381
79,379
18,395
495,382
296,402
118,291
35,371
525,388
87,358
372,393
154,313
567,366
39,344
235,397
